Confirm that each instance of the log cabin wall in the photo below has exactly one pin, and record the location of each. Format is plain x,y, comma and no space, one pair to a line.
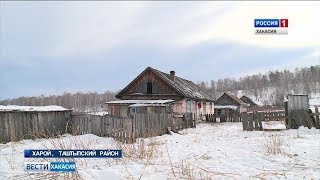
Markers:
120,110
182,107
209,108
160,90
177,107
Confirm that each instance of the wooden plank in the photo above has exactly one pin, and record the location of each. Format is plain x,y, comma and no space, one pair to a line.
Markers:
250,122
259,119
317,117
2,128
245,121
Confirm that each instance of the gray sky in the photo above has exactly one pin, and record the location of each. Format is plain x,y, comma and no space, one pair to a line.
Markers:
52,47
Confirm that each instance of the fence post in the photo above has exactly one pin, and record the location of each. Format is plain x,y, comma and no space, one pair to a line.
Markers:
317,116
244,117
251,122
259,119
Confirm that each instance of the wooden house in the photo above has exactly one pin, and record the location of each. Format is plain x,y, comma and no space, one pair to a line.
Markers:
228,103
248,101
153,90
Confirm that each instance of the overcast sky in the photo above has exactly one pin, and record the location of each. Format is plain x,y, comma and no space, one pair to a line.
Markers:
51,47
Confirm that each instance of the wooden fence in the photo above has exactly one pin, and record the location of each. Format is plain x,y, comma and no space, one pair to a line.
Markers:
18,125
279,115
234,117
129,129
316,117
252,121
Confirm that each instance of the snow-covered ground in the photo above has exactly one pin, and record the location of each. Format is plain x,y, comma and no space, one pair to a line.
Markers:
210,151
273,125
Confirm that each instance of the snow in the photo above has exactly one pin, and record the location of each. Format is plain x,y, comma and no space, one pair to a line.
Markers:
225,107
99,113
313,108
210,151
314,101
257,102
273,125
141,101
107,174
267,93
142,105
32,108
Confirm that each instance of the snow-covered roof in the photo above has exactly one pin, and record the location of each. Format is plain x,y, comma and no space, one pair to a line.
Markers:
259,103
225,107
32,108
234,98
142,105
141,101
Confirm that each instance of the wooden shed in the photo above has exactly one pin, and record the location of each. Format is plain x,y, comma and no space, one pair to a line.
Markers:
228,108
249,101
229,100
297,107
21,122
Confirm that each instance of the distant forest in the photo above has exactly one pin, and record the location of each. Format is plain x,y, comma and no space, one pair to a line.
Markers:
89,102
274,84
269,87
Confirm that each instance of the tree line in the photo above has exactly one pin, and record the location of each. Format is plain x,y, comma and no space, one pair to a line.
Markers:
89,102
271,87
275,84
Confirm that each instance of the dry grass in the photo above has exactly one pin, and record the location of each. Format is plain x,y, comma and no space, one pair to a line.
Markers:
187,170
142,150
52,142
273,144
298,136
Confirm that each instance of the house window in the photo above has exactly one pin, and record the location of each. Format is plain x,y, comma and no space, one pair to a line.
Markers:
189,106
149,87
